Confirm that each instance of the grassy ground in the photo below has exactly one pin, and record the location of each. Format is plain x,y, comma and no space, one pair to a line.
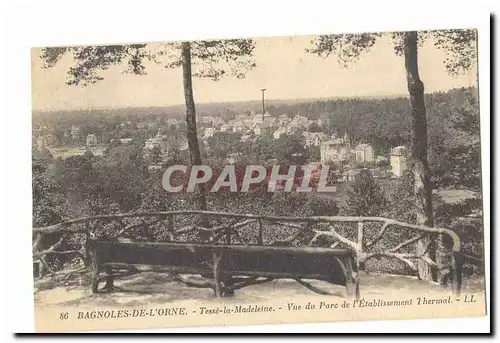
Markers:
456,195
158,288
65,153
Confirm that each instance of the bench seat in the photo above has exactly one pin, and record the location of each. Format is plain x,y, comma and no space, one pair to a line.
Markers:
225,263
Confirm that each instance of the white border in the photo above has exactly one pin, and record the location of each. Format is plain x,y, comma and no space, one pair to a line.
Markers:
89,22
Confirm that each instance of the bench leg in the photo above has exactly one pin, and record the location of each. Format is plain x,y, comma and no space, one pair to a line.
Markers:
95,279
229,292
223,282
109,278
94,283
352,282
353,289
228,282
217,289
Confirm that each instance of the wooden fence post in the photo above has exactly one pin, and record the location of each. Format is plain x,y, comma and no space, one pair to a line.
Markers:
260,240
457,262
359,254
148,231
170,227
227,279
228,236
109,278
95,266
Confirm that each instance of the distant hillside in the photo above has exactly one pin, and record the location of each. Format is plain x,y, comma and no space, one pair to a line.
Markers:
204,108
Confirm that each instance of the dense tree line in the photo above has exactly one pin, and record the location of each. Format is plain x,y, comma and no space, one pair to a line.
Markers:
454,148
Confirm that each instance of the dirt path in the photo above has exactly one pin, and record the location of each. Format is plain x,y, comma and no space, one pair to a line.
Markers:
159,289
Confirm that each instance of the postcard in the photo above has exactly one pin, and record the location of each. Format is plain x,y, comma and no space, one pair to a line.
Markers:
239,181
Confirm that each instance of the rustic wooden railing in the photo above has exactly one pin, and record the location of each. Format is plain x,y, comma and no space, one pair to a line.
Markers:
371,238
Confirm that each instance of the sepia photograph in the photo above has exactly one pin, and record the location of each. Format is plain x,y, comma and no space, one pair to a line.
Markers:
282,179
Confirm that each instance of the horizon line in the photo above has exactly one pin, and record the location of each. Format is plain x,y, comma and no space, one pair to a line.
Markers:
381,96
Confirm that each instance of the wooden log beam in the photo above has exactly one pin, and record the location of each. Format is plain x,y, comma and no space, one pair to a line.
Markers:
46,265
311,287
38,239
250,282
313,219
206,283
289,239
380,234
51,248
338,237
407,242
237,248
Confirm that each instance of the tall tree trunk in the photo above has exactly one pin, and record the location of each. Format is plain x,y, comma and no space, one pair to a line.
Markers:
192,133
423,189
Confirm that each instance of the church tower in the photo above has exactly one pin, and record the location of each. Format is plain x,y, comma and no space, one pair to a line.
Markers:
347,141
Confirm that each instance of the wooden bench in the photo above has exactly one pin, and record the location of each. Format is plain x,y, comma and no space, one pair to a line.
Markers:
230,267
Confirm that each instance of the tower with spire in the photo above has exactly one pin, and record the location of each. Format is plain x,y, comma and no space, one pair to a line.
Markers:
347,141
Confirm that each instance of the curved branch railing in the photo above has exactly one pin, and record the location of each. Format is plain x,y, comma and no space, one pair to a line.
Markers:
369,239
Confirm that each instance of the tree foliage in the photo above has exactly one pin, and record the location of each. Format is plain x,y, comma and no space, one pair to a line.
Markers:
210,59
366,197
49,204
459,46
456,147
207,59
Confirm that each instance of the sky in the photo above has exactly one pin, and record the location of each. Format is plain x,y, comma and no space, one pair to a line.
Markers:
284,68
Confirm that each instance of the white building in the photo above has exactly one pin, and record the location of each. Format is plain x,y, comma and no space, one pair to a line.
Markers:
238,127
314,138
154,169
173,122
335,150
226,128
283,120
260,129
364,153
41,143
398,161
350,175
209,132
75,132
299,122
154,142
125,140
279,132
257,130
233,157
245,138
98,150
206,120
256,119
91,140
268,120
